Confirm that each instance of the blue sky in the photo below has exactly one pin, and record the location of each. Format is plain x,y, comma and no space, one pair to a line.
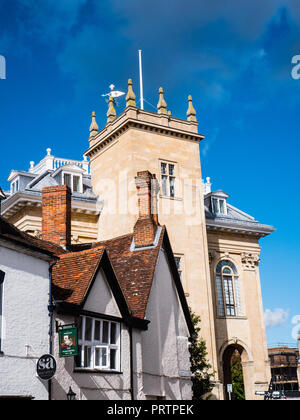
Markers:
233,56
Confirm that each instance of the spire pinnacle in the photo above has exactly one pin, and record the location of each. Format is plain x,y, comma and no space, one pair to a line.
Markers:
130,97
162,105
111,113
191,113
94,126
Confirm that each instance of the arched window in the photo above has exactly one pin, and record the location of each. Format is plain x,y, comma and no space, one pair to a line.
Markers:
2,275
228,289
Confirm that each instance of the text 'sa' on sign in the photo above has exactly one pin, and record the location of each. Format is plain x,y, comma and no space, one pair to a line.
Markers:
46,367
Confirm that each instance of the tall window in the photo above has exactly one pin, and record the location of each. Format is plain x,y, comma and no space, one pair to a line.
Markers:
178,260
99,344
167,173
228,290
15,186
2,275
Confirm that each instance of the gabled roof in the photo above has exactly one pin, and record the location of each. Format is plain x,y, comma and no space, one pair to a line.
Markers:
133,270
9,232
73,273
73,276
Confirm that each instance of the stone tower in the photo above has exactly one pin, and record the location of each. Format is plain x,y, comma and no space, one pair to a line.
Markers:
139,140
215,244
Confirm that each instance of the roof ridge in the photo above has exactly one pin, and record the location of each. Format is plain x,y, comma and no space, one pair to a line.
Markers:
115,238
83,251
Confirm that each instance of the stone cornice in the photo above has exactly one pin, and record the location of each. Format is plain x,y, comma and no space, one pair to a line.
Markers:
257,230
143,120
20,200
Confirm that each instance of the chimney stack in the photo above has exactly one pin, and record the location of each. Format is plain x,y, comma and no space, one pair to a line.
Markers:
56,215
145,228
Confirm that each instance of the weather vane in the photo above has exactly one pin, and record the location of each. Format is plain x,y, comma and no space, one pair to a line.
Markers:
113,93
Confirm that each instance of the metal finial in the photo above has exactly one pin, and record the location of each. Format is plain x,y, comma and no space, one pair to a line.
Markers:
130,97
162,105
191,113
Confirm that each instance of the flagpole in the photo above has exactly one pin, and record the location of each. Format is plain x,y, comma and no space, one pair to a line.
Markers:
141,79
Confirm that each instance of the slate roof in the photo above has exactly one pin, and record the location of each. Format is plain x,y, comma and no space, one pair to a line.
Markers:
30,187
235,219
34,183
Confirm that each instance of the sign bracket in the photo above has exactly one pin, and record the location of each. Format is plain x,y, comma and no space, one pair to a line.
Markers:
59,327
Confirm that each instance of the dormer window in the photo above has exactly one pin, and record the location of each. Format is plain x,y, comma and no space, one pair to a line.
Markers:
218,205
74,182
15,186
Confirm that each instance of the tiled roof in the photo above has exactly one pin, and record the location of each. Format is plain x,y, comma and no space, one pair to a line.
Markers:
74,272
10,232
134,270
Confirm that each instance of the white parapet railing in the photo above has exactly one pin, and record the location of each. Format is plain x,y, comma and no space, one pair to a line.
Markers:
52,163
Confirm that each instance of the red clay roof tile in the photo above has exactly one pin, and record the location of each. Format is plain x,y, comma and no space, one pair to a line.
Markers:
134,270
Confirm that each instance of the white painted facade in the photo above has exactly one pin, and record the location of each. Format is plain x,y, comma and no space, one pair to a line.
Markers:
161,364
25,321
164,368
94,385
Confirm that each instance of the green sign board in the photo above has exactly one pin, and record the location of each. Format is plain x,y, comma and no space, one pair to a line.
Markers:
68,343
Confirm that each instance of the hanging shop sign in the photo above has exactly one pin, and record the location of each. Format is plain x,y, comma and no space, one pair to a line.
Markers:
46,367
68,342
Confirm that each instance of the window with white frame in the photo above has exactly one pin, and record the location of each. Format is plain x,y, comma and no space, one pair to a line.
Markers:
98,344
74,182
228,290
168,178
179,264
2,275
218,205
15,186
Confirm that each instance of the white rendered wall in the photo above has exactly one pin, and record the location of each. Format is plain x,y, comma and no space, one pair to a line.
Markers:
164,347
25,323
94,385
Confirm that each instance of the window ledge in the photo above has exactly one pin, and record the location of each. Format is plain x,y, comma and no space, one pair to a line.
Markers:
231,317
171,198
106,372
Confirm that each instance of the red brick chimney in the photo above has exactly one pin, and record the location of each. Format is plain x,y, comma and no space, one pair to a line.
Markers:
56,215
145,228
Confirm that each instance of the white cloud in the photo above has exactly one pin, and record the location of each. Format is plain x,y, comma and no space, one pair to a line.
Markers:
277,317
